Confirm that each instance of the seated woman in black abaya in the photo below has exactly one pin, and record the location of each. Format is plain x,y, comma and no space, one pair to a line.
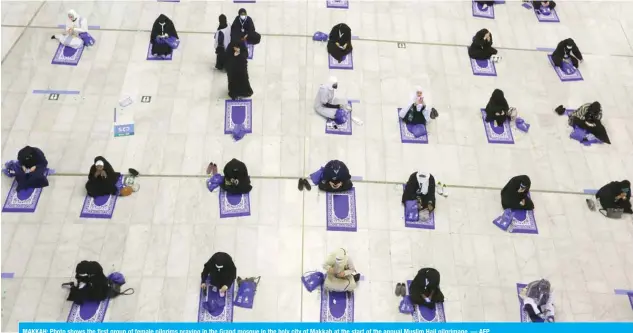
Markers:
33,169
220,270
102,179
236,178
481,47
538,5
243,29
568,51
92,284
616,195
335,177
516,194
237,70
497,110
339,43
163,36
588,117
420,187
425,288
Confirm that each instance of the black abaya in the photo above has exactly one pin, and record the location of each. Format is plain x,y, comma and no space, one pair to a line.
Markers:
414,117
236,170
607,194
412,191
538,4
245,28
30,157
162,49
598,130
481,49
426,284
222,36
98,185
336,172
92,284
511,197
497,105
237,71
220,270
341,34
561,51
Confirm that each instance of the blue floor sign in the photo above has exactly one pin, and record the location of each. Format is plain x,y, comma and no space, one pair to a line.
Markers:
123,130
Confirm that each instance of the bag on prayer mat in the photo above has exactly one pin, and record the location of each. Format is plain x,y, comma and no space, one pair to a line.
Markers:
87,38
246,289
412,214
406,306
10,168
417,130
312,280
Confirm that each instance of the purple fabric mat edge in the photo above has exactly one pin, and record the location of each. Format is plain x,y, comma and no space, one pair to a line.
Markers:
616,291
229,299
56,62
332,64
229,215
8,275
249,113
329,197
90,27
530,232
84,214
554,12
11,210
490,17
562,79
107,304
518,290
407,140
149,55
483,119
472,68
327,5
351,300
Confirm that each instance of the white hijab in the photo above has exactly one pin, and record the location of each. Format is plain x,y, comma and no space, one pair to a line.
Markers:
415,99
331,82
423,181
74,14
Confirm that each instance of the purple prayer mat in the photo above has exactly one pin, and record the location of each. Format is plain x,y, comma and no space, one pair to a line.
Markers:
524,316
8,275
337,307
245,296
564,77
66,55
347,63
341,211
340,4
234,205
251,50
238,112
150,56
243,1
630,299
526,5
89,312
101,207
420,224
478,11
497,134
483,67
24,201
406,136
552,17
221,315
422,314
500,2
331,127
523,222
168,0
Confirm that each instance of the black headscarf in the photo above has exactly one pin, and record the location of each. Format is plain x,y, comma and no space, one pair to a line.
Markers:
107,167
426,281
340,33
31,156
223,23
478,39
496,103
220,269
235,169
158,29
613,189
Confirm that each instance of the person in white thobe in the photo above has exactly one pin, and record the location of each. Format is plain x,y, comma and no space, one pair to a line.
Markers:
75,25
326,104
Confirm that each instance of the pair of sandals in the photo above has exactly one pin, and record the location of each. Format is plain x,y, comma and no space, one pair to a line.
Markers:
304,183
401,289
212,169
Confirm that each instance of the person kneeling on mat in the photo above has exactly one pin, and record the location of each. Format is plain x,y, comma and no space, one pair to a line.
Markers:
421,188
416,112
538,301
516,194
220,271
335,177
92,284
497,110
481,47
339,42
32,169
236,178
538,5
616,195
425,288
567,51
588,117
329,107
340,272
102,178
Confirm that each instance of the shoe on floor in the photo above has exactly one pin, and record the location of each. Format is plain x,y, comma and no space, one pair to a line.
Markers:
306,184
440,189
68,284
398,285
210,168
133,172
53,37
444,191
356,277
300,184
591,204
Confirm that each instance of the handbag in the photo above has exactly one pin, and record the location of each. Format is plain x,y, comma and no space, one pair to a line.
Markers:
246,289
504,221
115,281
411,212
312,280
612,213
406,306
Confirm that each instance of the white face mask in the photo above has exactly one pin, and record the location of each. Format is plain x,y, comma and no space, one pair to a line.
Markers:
242,17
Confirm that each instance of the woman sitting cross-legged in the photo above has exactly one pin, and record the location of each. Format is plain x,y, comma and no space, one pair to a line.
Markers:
516,194
497,110
589,118
102,178
616,195
481,47
33,169
236,178
421,188
335,177
425,288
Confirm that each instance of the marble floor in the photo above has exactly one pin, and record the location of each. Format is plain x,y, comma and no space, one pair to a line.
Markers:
161,236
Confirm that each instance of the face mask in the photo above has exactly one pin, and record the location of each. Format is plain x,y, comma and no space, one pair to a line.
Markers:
334,86
242,17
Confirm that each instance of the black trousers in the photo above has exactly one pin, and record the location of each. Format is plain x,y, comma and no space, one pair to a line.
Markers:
598,131
481,54
558,61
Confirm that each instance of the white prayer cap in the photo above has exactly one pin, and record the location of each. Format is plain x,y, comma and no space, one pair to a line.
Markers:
99,163
333,80
72,13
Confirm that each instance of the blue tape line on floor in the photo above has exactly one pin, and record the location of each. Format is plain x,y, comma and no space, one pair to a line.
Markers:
623,292
355,37
354,100
589,191
8,275
59,92
90,27
357,178
548,49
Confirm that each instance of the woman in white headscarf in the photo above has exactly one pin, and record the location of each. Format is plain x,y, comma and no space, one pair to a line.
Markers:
420,187
538,301
341,274
326,104
74,26
416,111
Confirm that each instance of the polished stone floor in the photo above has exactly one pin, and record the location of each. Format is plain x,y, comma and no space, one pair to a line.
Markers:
161,236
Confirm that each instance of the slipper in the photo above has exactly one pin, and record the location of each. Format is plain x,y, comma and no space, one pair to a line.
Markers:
306,184
210,168
591,205
397,291
133,172
403,289
300,184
